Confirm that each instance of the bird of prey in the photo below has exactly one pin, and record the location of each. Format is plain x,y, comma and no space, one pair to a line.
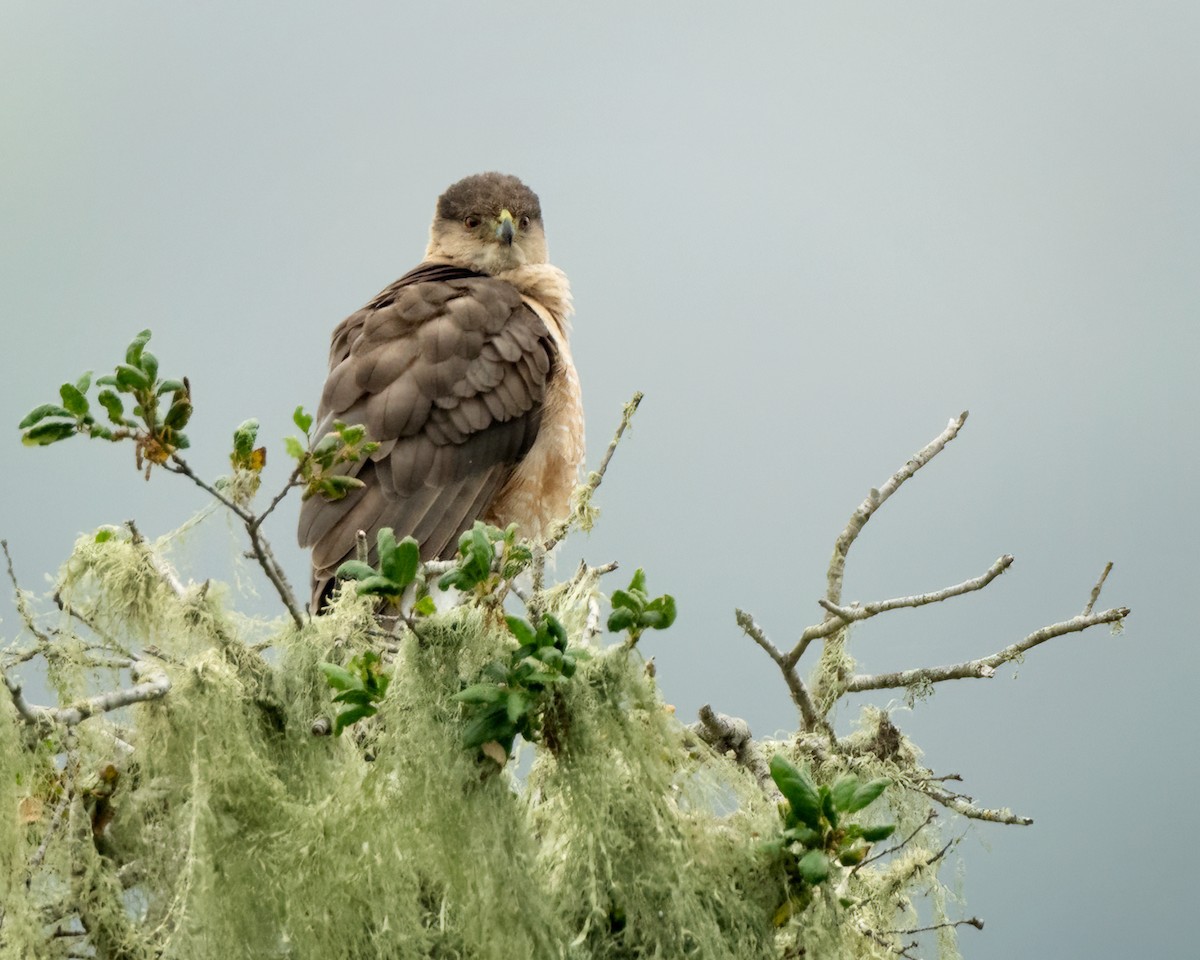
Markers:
461,370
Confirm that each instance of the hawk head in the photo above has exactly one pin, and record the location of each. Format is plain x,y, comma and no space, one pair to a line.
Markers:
490,222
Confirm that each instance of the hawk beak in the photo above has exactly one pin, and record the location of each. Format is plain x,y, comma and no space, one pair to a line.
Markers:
505,228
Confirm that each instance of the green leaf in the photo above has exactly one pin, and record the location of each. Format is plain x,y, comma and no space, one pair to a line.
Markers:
490,725
302,420
355,570
41,413
339,677
73,399
625,600
852,855
425,607
103,536
149,364
84,383
45,434
805,836
866,794
875,834
179,414
827,807
638,582
555,631
378,586
799,790
516,705
814,867
131,378
843,791
480,693
522,630
360,696
354,714
402,561
295,448
243,439
621,619
664,607
113,406
133,353
168,386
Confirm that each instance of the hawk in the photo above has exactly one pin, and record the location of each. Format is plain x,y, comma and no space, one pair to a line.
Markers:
461,370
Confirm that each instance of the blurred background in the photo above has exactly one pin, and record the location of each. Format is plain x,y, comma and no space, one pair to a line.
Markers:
811,233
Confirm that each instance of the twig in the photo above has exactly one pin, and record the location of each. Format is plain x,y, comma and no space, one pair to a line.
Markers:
846,615
875,499
596,477
969,922
1097,588
159,565
23,608
259,546
985,667
929,818
799,691
960,804
292,483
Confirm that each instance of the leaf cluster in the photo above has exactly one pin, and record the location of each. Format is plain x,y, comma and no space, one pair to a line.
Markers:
363,682
399,564
486,556
161,408
514,694
633,610
817,836
321,465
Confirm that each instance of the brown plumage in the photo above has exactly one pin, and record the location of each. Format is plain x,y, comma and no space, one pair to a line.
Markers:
461,370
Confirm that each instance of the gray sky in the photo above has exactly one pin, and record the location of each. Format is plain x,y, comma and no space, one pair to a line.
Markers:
810,233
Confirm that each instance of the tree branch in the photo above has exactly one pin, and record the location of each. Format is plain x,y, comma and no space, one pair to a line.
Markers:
876,498
584,492
732,734
1097,588
985,667
800,695
853,614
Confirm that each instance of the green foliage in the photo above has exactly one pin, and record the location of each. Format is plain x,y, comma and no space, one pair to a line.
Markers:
486,556
321,466
399,562
514,694
161,408
633,610
816,838
362,683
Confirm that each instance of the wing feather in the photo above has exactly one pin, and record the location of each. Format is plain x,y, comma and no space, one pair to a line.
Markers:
447,369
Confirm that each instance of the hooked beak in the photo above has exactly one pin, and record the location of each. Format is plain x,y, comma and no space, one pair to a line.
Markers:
505,228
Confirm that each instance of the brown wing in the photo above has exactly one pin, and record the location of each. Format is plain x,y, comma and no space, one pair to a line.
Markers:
447,370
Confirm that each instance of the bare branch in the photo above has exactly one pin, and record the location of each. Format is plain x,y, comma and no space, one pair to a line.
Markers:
970,922
260,549
1097,588
985,667
929,818
589,486
846,615
876,498
800,694
962,804
293,481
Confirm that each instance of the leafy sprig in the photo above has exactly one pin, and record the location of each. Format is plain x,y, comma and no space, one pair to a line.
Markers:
319,464
486,556
513,695
161,409
634,612
817,839
363,682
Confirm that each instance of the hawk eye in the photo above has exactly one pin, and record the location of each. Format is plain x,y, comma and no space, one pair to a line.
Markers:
471,222
524,223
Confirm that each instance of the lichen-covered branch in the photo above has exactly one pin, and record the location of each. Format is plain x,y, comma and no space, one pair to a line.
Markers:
154,687
984,667
854,614
727,734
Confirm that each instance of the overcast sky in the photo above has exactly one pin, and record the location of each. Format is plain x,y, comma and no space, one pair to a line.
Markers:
811,233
